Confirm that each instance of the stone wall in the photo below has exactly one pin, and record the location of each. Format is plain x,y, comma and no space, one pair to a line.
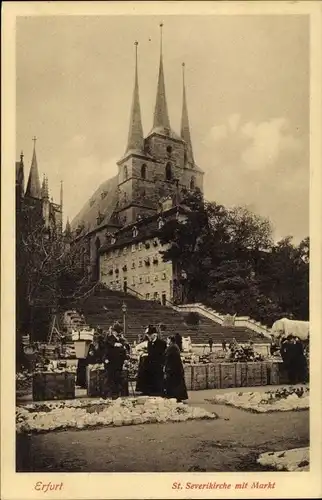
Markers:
129,264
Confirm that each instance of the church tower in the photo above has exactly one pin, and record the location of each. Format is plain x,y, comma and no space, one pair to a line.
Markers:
159,165
133,166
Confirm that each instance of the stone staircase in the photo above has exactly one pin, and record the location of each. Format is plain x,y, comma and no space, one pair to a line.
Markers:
103,306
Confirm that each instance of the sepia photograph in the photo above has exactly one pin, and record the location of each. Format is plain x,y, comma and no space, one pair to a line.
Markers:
162,248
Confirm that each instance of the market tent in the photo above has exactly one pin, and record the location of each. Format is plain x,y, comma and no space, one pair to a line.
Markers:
284,327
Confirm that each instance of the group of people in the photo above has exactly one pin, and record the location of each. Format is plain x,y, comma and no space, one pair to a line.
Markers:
112,350
160,371
294,360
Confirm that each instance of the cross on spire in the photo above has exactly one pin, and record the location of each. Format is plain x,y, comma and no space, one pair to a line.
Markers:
161,117
161,36
34,139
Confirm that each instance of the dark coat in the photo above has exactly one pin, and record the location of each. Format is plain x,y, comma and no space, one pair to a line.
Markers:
178,340
150,373
175,385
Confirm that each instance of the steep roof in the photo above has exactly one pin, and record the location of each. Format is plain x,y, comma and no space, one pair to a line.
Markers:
135,138
103,202
185,127
33,185
147,228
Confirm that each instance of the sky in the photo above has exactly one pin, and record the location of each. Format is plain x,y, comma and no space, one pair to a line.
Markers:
247,81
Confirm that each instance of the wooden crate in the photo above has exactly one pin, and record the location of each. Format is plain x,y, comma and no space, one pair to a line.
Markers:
188,376
98,384
241,374
48,386
277,373
265,379
282,374
199,379
254,374
213,376
228,375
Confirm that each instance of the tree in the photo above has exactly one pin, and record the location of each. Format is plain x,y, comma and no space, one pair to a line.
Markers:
186,242
47,271
230,262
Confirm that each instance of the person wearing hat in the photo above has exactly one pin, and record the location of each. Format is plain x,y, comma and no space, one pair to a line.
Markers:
115,353
150,377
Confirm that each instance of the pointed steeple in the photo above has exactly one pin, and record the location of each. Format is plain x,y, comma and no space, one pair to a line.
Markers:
161,116
33,185
44,194
185,128
135,140
68,230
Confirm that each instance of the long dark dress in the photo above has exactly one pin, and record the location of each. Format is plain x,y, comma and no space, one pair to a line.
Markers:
115,355
150,377
175,385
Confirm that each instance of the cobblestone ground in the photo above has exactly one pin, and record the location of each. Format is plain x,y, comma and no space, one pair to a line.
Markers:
229,444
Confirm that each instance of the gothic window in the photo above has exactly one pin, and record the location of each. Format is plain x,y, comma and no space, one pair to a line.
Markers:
125,173
169,150
143,171
192,182
124,197
168,172
135,232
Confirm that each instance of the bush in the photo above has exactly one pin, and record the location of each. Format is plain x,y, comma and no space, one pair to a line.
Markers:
193,318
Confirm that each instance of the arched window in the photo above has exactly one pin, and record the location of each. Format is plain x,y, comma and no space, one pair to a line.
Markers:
143,171
168,172
125,173
192,182
135,232
169,150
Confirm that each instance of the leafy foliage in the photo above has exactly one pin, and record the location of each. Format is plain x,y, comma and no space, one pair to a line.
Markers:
48,271
226,258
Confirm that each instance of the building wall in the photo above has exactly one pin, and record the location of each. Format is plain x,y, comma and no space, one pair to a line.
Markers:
150,281
140,191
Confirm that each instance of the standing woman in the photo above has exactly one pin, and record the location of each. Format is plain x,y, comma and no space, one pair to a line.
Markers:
175,385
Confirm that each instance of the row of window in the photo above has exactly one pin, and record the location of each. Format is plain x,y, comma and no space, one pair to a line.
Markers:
168,174
142,279
147,261
135,247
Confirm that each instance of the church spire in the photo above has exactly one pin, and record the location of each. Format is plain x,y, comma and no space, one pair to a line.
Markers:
33,185
161,117
68,230
135,137
185,128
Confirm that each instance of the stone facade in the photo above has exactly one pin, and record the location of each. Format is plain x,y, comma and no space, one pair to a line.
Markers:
139,268
155,167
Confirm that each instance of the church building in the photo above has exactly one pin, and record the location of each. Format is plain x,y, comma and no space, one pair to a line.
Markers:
36,198
37,216
120,221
